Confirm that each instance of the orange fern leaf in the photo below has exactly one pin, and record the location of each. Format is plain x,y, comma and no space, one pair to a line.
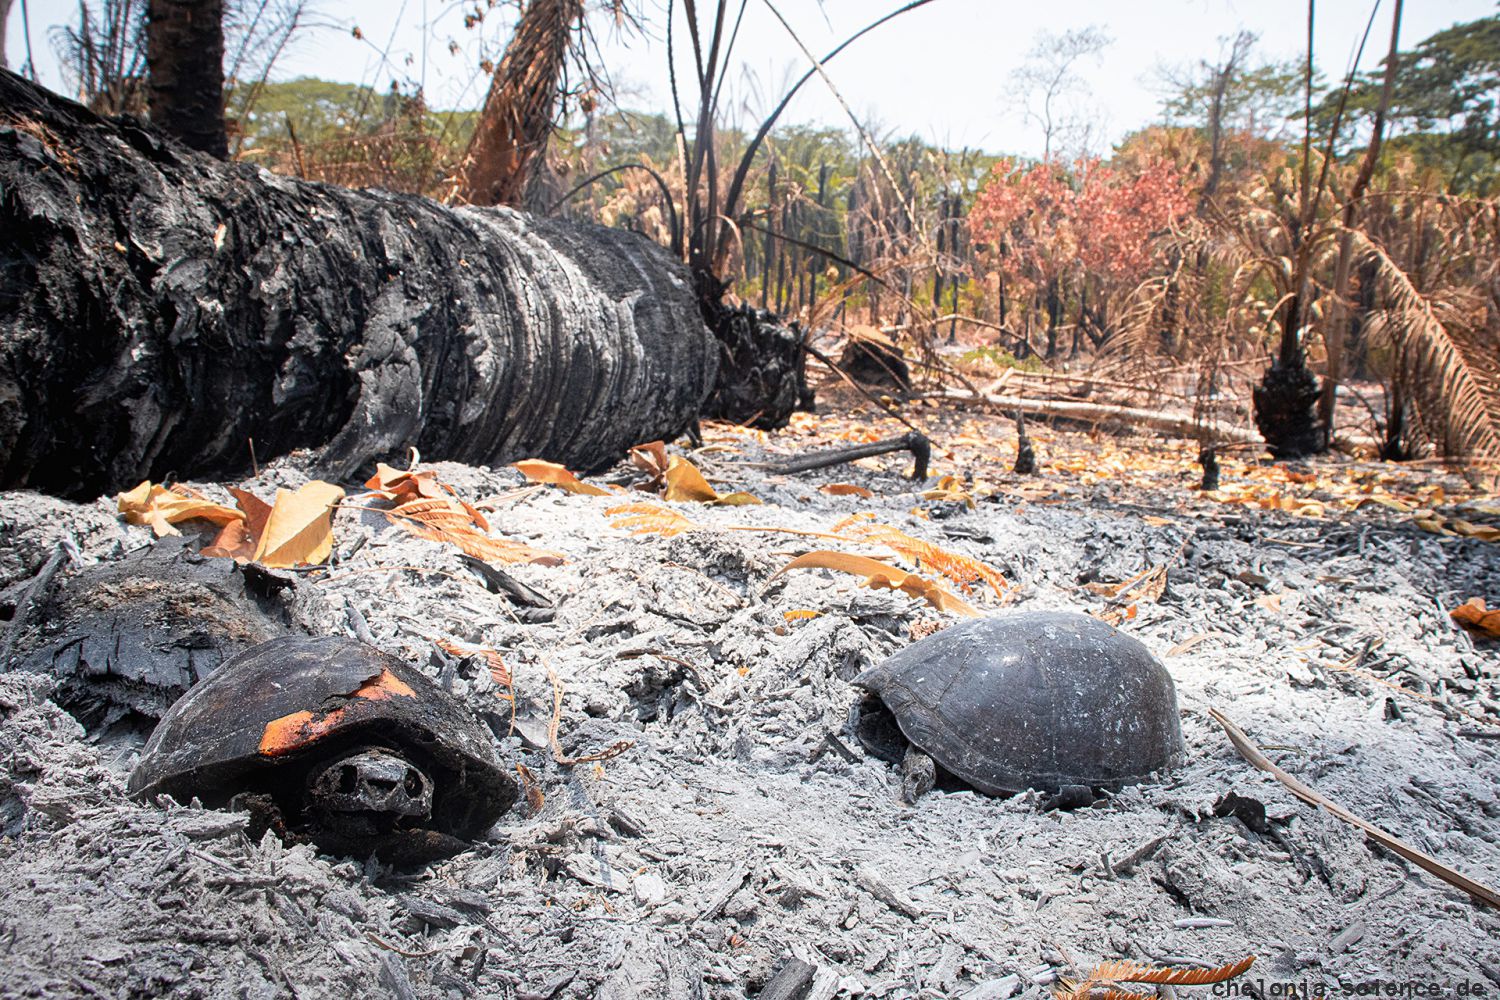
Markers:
1130,972
961,570
471,541
649,519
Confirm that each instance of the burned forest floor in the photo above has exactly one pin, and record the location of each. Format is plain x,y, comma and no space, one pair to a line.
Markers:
744,824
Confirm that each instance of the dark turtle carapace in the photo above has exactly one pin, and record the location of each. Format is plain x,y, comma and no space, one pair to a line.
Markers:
1049,700
334,741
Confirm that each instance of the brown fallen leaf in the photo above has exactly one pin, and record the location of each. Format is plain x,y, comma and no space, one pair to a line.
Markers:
1483,532
405,484
237,539
1104,981
499,672
845,490
299,529
538,471
1271,602
652,459
1148,585
685,482
1190,642
1473,615
532,789
881,576
1116,614
471,541
155,505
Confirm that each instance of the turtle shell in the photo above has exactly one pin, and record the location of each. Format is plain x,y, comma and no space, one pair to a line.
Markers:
1036,699
268,715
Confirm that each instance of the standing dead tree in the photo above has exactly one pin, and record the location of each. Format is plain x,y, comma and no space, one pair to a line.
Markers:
160,310
517,116
185,55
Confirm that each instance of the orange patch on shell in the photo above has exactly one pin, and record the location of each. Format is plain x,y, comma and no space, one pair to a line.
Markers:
295,731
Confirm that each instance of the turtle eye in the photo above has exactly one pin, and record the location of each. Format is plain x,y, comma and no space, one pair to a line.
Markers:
348,778
413,783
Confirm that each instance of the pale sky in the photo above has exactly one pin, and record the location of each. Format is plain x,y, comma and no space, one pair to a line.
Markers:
941,72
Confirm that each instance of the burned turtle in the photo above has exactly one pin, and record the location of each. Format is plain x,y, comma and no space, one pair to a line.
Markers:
1059,702
335,741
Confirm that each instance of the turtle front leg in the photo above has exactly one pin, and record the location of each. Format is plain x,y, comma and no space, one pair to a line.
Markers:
918,775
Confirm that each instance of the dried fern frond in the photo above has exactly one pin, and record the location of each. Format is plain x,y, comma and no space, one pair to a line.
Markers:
649,519
1103,982
960,569
471,541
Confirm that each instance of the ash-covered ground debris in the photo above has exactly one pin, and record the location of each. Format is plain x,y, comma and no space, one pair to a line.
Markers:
746,825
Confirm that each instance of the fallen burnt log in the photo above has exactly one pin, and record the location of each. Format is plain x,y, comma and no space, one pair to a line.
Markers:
162,312
126,639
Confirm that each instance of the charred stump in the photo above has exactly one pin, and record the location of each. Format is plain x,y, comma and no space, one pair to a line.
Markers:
873,362
1286,410
762,376
161,310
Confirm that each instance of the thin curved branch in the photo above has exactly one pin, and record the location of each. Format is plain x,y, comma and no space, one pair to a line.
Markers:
666,196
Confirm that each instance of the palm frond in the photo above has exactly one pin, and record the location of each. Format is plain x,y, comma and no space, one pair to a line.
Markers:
1447,354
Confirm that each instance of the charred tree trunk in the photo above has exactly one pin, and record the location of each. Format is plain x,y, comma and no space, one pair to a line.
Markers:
185,56
159,310
4,19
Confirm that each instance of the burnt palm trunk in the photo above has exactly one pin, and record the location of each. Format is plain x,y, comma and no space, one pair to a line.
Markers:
1287,394
161,310
516,120
185,58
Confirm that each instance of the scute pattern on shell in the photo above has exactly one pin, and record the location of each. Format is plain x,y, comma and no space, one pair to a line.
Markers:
1034,699
338,693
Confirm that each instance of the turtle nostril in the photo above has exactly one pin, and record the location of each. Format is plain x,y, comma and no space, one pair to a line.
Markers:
413,783
348,778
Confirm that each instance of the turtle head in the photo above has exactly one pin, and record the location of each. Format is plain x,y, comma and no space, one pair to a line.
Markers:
367,790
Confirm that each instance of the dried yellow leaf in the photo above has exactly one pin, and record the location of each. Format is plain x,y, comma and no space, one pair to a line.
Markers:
299,529
685,482
155,505
649,519
538,471
845,490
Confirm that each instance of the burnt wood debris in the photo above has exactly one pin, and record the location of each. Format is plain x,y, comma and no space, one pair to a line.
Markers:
163,312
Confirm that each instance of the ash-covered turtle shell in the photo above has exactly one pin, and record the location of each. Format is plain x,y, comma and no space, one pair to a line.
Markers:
1036,699
268,715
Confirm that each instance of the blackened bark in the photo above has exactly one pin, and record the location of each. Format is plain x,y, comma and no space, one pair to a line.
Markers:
160,309
762,372
185,60
4,20
1284,410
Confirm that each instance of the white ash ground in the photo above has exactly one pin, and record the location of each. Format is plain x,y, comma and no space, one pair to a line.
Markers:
732,835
